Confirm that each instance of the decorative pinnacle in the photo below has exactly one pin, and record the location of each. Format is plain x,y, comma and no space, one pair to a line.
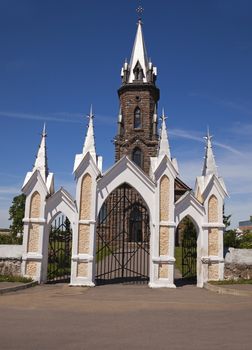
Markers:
208,136
91,114
44,133
163,117
140,11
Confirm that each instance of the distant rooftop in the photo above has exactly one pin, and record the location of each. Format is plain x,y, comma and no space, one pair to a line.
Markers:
246,223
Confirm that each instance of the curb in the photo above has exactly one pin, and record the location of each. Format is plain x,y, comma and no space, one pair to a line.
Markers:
229,291
20,287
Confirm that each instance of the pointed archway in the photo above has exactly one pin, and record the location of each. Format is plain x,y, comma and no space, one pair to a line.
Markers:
186,252
59,250
123,238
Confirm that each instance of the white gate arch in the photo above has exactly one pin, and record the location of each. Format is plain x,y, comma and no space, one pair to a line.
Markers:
61,202
189,206
125,171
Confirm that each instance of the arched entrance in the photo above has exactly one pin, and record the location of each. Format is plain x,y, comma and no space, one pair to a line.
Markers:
186,252
123,238
59,250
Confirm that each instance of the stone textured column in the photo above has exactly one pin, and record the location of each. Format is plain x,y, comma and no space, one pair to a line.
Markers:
84,224
164,216
32,238
213,237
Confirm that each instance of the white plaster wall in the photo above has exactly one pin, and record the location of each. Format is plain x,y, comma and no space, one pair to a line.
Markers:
11,251
239,256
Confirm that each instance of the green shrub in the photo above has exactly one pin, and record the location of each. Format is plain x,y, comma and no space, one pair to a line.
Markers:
4,278
10,239
231,240
246,241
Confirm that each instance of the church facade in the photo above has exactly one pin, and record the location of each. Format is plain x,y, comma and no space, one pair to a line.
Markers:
124,221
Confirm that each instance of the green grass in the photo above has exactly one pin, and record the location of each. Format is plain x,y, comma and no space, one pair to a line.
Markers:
227,282
178,257
4,278
105,251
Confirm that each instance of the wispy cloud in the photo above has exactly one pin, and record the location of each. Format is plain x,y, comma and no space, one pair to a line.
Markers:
236,172
245,108
4,216
9,189
192,135
242,129
59,117
55,117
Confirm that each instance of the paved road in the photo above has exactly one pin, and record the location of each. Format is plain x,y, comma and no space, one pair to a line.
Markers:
124,317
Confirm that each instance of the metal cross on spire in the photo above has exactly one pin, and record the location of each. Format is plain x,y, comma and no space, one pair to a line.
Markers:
44,133
140,11
91,114
163,116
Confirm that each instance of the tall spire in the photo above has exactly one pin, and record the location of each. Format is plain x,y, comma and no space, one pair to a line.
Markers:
89,144
41,159
209,161
164,147
139,54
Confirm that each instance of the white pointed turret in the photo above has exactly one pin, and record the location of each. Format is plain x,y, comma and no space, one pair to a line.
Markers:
41,166
140,67
164,147
209,167
89,144
41,159
209,173
139,54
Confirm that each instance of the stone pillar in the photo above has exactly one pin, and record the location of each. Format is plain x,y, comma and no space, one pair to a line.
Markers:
164,270
34,224
215,240
82,263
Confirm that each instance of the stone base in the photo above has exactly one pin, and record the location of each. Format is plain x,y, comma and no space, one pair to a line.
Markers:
82,284
10,267
236,271
161,284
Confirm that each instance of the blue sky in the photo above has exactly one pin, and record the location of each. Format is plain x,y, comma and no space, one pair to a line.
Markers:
59,56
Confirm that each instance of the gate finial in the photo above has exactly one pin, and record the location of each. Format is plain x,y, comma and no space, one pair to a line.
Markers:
89,144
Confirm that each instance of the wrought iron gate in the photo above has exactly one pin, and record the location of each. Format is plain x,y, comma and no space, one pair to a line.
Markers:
59,251
189,253
123,238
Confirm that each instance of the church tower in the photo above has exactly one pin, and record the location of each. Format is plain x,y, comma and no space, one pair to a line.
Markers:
137,135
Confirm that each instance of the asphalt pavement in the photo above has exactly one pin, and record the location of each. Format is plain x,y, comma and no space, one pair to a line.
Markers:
124,317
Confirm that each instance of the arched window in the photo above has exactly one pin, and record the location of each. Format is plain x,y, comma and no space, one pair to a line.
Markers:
137,157
137,119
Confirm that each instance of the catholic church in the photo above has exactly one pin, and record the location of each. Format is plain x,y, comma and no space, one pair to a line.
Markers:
133,222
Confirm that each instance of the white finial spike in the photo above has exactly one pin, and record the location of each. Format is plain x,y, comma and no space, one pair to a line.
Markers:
163,117
44,134
164,147
209,161
89,144
41,159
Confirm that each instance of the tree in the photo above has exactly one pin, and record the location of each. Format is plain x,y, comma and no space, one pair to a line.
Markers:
230,239
16,212
226,219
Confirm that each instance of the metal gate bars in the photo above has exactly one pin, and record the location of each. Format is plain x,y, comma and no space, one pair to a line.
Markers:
189,252
59,251
123,238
